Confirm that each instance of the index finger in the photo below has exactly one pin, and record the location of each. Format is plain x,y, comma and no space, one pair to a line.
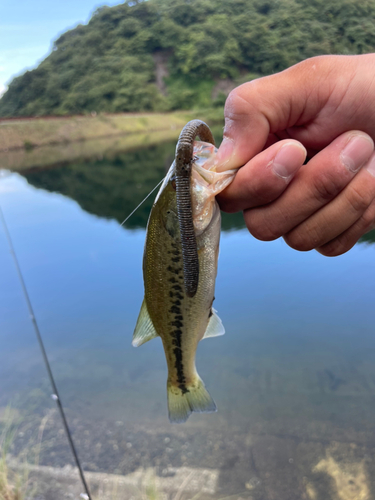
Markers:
264,178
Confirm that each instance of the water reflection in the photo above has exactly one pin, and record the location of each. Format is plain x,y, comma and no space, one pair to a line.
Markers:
112,186
294,376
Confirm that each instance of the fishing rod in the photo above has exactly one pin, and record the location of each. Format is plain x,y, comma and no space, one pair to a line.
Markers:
55,395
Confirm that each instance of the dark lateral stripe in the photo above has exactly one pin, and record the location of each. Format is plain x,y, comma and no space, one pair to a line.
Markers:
176,338
175,310
178,356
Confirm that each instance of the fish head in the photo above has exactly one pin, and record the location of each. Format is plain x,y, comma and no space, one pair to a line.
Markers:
205,184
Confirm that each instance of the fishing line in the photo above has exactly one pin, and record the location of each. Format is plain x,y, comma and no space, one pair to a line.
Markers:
136,208
55,395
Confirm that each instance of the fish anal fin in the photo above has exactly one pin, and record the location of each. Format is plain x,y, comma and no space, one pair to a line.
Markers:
192,398
215,327
144,329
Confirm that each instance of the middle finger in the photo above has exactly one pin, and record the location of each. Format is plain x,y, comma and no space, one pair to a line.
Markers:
315,185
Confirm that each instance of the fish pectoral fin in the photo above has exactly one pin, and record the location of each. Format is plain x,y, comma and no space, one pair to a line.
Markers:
215,327
144,329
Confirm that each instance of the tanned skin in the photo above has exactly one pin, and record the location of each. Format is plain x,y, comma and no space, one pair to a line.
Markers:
305,141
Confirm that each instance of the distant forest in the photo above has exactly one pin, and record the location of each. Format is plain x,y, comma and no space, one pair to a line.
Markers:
161,55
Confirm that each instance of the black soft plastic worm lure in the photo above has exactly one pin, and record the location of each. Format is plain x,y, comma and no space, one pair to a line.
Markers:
184,160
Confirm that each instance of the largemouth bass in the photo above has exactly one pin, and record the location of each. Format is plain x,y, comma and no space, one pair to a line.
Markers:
180,266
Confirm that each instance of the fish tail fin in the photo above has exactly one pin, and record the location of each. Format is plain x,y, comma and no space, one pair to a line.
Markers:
183,400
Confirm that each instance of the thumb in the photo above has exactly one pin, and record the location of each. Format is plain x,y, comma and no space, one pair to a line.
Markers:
271,105
246,128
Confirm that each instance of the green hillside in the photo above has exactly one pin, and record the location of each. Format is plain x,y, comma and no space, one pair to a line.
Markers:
161,55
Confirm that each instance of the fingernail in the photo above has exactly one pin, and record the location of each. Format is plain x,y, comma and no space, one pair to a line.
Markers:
357,152
370,166
288,160
224,153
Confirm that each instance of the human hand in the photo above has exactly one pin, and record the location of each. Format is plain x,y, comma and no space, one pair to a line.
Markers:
323,107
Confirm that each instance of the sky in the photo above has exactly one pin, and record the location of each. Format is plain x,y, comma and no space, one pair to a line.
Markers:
28,28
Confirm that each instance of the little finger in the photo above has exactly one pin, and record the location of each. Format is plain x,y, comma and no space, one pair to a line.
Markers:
349,238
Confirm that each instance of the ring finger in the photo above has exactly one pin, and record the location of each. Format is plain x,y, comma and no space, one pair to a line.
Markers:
352,208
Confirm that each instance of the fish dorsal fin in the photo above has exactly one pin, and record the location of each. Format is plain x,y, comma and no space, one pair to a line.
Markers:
215,327
144,329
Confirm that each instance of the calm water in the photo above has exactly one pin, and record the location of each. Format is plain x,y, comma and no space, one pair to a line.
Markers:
293,378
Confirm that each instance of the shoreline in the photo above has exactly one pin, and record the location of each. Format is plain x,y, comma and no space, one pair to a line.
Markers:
56,155
29,133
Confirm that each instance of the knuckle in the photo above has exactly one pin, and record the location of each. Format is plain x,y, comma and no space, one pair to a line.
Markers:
237,103
262,192
300,241
368,219
227,205
327,186
260,228
358,199
339,245
333,248
234,105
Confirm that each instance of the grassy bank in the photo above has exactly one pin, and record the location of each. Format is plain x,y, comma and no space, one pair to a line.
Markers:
44,142
22,159
29,133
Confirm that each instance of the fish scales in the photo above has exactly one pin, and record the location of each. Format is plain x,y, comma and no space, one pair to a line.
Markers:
179,320
171,308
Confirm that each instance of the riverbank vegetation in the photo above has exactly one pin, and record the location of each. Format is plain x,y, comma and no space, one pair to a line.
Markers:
30,133
162,55
13,484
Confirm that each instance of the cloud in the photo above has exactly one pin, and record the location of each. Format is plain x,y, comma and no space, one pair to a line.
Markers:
3,88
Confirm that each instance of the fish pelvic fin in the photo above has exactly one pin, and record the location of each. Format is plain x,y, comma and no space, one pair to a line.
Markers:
144,329
215,327
183,400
